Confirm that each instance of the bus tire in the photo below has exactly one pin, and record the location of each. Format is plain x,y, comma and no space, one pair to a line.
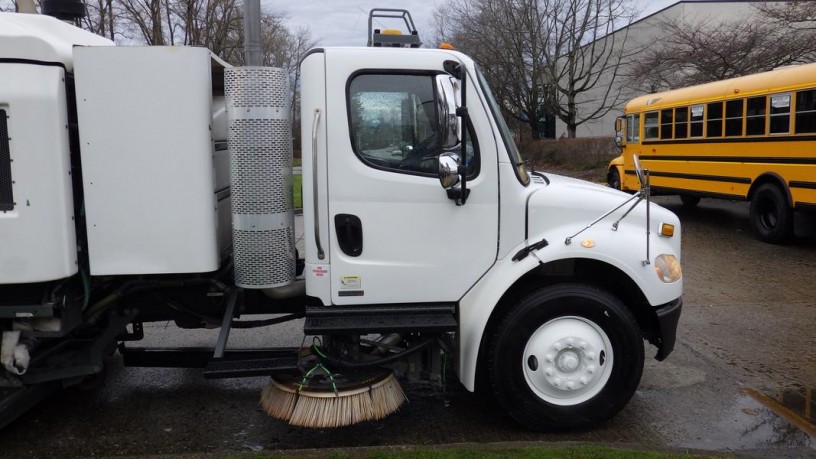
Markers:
771,216
566,356
689,200
613,178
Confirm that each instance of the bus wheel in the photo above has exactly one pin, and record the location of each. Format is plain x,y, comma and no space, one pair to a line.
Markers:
689,201
566,356
613,178
771,217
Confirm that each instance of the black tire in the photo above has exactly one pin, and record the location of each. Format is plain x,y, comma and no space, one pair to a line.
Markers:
689,201
548,315
771,216
613,178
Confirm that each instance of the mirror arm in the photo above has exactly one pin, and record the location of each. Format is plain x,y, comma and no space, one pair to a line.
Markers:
462,112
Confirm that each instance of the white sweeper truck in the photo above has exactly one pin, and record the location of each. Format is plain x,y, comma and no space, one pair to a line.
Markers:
154,183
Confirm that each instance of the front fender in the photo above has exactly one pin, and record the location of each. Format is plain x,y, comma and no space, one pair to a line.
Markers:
624,249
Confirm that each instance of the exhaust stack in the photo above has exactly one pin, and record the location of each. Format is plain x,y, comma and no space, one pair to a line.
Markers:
260,146
64,10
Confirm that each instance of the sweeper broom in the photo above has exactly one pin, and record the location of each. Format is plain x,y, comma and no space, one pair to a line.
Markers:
359,390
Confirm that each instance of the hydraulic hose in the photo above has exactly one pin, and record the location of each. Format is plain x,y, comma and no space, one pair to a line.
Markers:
339,363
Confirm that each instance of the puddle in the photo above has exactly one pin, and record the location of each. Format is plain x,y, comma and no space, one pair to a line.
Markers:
760,421
797,406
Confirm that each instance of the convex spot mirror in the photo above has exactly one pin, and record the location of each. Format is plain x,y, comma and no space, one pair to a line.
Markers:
447,88
449,170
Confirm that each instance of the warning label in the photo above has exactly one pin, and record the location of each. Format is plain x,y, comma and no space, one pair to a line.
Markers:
350,282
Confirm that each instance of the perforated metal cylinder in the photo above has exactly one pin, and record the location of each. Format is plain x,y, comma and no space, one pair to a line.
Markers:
260,145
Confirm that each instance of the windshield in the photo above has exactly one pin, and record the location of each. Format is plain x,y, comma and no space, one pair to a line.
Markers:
509,144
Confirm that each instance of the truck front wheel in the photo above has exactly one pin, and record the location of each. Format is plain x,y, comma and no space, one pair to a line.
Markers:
566,356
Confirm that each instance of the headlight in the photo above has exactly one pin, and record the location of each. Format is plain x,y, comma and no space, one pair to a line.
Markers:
668,268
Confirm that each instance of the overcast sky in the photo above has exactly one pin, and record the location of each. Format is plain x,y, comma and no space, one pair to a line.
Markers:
345,22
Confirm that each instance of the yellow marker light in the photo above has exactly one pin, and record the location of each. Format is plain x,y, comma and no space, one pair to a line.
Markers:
666,230
587,243
391,32
447,46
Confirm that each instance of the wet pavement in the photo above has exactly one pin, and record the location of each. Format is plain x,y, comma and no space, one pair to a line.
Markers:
741,377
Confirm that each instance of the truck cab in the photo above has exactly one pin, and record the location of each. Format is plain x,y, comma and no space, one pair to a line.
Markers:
384,224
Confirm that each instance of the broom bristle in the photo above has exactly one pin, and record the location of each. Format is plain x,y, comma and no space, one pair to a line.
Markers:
326,409
278,400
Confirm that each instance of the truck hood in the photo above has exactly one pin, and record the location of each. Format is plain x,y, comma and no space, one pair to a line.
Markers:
565,206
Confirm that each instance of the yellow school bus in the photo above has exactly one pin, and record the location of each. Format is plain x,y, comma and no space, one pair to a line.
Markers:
749,138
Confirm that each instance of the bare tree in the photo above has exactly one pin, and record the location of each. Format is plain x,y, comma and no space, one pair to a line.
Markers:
586,56
100,18
796,14
557,57
694,52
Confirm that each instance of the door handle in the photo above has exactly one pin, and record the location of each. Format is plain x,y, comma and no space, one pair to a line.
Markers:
320,254
349,234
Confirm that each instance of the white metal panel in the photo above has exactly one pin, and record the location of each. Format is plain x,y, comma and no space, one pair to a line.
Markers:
43,38
147,156
37,237
312,101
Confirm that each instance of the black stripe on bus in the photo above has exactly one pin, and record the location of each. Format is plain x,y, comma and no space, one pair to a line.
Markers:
6,192
731,159
806,185
709,178
781,138
805,206
703,194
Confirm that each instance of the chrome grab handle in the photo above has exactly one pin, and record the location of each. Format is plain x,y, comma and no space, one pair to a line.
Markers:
320,254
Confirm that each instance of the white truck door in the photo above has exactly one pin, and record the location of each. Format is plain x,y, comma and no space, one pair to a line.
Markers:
395,236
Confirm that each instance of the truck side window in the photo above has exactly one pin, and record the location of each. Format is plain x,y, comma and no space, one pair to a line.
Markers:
394,123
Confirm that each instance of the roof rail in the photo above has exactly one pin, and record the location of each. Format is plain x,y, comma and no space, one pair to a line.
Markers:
392,38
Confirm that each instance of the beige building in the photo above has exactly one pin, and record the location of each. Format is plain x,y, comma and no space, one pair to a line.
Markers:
646,32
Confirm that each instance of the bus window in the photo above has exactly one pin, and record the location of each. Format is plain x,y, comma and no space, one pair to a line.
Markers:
666,119
733,118
714,125
650,125
780,114
697,112
806,111
755,116
681,123
633,128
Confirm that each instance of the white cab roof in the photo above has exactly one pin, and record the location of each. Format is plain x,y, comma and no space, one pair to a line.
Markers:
43,39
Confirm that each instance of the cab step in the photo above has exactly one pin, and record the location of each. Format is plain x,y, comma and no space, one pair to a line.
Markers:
361,320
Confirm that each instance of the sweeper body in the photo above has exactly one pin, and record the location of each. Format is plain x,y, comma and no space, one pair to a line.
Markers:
142,184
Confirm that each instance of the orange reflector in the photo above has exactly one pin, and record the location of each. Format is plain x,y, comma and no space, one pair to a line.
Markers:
391,32
666,230
447,46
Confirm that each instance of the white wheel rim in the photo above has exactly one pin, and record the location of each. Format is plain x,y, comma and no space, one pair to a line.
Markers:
568,360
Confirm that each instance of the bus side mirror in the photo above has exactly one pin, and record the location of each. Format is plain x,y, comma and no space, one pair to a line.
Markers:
449,125
619,128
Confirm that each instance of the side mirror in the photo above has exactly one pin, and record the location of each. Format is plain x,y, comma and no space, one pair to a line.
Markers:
449,126
639,170
619,128
449,170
